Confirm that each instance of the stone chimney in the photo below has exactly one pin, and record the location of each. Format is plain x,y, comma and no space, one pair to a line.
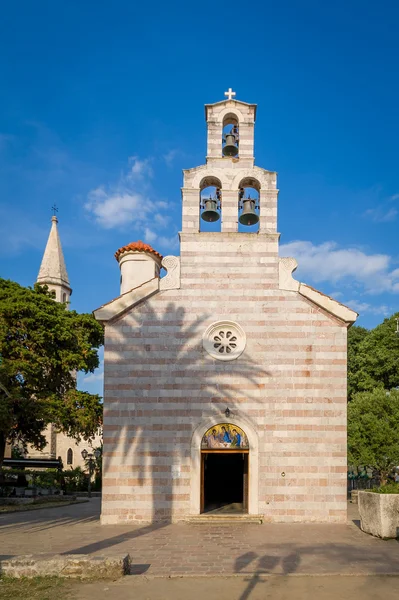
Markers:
138,263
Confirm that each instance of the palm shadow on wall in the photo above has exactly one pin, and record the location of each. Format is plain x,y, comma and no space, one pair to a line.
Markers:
200,388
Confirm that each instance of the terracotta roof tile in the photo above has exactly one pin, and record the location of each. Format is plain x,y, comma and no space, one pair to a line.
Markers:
138,246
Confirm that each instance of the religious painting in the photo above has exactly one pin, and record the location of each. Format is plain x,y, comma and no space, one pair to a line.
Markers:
224,436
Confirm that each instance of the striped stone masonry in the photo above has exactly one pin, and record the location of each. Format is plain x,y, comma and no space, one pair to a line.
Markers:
290,384
287,390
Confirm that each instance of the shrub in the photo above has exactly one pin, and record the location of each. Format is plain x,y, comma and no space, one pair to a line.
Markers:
389,488
75,480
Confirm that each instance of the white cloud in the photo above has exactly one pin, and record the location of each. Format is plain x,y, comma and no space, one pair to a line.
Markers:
118,208
129,202
328,262
150,236
170,156
170,243
394,197
365,307
161,204
140,168
161,220
94,377
164,242
381,215
93,382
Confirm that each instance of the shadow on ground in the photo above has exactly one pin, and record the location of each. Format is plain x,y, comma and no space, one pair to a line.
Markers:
344,558
38,520
115,540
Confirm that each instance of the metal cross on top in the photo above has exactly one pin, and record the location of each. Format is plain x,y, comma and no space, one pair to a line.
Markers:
54,209
230,94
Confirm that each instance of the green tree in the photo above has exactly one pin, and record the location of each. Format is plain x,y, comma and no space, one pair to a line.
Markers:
356,335
97,466
97,460
373,426
42,346
373,357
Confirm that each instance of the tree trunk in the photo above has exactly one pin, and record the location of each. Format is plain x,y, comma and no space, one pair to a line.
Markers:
2,447
383,477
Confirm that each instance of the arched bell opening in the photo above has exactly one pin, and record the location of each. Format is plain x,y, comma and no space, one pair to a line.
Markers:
230,136
248,205
210,204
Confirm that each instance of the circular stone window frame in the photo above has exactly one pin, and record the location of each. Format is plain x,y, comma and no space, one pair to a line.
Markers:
211,335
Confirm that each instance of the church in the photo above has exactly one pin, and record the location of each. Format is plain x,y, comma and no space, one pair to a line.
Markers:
225,378
53,273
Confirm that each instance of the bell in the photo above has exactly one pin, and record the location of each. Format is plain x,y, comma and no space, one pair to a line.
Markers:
210,214
230,147
248,216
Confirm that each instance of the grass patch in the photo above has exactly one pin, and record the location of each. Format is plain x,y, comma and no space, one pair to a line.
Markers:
388,488
8,508
37,588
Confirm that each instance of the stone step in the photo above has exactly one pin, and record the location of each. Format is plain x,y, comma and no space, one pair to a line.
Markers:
226,519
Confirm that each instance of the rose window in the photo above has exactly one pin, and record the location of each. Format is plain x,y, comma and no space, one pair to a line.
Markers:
224,340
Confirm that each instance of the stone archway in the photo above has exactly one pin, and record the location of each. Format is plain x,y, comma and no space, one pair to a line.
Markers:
253,481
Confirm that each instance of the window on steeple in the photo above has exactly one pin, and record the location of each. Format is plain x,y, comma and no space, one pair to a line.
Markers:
248,205
210,204
230,136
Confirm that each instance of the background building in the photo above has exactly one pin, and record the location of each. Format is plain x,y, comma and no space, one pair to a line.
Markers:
53,273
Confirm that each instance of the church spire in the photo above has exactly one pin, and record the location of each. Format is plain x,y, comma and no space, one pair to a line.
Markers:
53,270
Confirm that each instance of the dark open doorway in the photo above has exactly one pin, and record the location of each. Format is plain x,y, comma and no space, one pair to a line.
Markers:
225,482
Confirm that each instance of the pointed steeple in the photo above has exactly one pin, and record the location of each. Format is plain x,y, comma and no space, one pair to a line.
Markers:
53,270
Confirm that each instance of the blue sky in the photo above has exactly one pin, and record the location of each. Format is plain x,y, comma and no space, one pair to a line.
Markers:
101,107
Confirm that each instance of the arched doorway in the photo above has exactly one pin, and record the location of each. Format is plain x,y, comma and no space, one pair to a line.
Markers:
224,470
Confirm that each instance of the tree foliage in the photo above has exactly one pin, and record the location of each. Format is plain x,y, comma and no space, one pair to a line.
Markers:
373,357
373,426
42,346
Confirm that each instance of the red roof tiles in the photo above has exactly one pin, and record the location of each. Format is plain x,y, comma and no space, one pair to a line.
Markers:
138,247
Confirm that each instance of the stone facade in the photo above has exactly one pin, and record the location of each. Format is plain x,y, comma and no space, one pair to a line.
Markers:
287,390
59,445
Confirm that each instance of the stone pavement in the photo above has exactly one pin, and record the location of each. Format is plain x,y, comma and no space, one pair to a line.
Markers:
199,549
251,587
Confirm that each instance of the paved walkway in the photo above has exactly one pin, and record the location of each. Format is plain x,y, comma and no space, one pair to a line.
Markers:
251,587
182,549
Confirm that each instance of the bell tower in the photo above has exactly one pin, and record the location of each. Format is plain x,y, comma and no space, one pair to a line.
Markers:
53,271
242,202
241,192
